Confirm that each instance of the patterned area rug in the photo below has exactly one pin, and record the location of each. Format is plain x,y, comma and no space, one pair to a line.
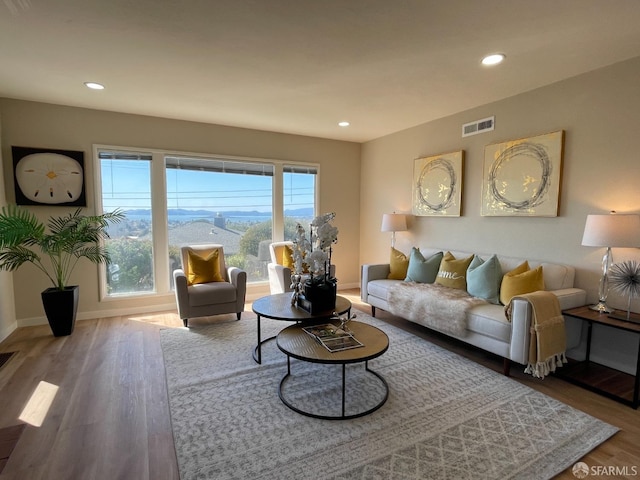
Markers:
446,417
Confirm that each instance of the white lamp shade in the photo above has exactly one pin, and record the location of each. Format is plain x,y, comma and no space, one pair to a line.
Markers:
622,231
394,222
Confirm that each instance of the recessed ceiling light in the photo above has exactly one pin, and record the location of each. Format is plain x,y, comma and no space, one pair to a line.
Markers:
94,85
344,124
493,59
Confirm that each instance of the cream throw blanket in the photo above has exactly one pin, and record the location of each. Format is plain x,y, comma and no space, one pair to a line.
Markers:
432,305
548,339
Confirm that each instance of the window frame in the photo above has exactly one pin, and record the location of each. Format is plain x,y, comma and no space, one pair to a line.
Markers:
159,214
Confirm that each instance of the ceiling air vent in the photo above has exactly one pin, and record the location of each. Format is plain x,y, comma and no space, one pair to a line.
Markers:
479,126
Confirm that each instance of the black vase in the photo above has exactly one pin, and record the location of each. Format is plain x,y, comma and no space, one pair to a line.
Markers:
321,295
61,306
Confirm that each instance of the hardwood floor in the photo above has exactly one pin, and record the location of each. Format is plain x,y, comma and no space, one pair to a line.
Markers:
109,418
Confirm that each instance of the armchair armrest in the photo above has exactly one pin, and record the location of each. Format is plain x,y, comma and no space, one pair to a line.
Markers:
238,279
237,276
279,278
182,298
369,272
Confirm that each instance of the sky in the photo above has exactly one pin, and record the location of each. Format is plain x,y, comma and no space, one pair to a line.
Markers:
126,184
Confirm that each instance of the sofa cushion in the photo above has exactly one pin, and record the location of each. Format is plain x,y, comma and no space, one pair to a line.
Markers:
380,288
398,264
209,293
423,270
518,282
204,269
453,272
489,320
484,278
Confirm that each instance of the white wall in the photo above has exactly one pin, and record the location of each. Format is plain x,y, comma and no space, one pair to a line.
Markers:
598,112
41,125
7,310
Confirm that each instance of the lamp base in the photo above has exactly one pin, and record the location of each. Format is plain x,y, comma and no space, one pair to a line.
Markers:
601,307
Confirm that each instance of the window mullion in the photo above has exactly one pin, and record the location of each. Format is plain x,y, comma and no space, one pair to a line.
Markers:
278,204
161,265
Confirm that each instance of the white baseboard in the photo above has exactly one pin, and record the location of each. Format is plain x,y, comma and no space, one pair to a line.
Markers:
5,332
252,295
113,312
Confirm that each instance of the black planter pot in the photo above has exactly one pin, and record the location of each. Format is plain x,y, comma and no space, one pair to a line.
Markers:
318,297
61,306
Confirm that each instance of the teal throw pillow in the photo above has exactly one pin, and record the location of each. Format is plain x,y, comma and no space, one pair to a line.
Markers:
484,278
423,270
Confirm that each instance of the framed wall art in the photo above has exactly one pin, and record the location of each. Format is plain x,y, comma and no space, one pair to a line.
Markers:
522,177
48,177
437,185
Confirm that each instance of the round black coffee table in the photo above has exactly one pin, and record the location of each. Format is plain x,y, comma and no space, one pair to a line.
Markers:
278,307
294,342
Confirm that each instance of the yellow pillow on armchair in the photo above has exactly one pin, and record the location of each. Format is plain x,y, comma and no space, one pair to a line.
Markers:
204,270
287,257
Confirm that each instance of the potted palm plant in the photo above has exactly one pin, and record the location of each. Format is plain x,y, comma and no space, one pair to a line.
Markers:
55,252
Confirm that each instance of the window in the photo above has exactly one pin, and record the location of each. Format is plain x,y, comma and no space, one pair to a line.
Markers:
171,200
299,189
126,185
221,201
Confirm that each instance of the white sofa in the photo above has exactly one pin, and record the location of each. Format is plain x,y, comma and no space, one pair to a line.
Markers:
487,326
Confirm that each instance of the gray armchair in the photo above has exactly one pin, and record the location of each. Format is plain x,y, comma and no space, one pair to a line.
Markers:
212,298
280,275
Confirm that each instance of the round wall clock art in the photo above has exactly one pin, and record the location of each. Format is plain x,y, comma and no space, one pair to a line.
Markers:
49,177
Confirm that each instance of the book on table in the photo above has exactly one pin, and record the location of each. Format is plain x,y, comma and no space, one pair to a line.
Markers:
333,338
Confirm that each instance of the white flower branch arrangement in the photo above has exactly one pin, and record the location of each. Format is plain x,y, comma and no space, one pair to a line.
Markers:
313,255
625,279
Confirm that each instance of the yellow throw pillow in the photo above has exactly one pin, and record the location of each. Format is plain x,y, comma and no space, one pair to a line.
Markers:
204,270
518,282
287,261
453,273
287,257
398,264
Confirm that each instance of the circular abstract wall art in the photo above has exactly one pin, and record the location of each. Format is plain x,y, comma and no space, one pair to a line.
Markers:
437,184
520,176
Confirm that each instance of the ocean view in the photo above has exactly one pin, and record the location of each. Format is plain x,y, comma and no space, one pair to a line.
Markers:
183,215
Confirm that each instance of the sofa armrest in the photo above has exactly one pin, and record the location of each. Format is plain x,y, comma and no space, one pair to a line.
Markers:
371,272
521,320
571,297
520,331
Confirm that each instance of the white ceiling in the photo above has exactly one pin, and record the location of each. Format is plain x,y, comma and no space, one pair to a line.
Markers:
300,66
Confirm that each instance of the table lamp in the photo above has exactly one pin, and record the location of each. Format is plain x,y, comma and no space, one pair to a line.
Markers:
613,230
394,222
